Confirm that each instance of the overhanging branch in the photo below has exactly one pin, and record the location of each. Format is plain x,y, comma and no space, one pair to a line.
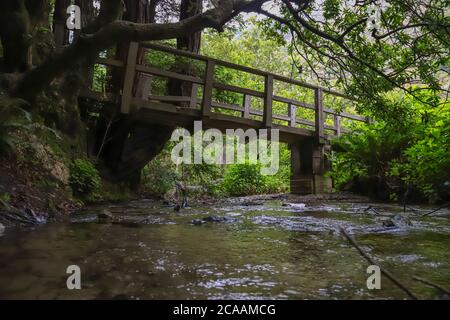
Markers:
88,46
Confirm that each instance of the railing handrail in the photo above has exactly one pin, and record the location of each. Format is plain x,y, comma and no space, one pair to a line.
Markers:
131,67
251,70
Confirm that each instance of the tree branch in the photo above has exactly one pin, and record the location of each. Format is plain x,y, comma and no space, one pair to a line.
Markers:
88,46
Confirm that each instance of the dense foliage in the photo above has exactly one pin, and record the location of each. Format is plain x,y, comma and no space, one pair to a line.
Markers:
397,156
367,48
12,117
84,177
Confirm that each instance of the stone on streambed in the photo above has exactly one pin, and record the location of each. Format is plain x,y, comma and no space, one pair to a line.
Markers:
252,203
214,219
198,222
297,206
397,221
105,216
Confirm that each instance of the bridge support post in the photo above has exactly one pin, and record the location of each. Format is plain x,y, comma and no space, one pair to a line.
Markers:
308,168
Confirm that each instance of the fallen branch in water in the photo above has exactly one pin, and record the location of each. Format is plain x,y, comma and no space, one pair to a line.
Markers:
436,210
16,216
416,211
377,213
371,261
431,284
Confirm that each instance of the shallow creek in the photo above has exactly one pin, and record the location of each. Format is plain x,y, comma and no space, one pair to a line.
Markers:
227,251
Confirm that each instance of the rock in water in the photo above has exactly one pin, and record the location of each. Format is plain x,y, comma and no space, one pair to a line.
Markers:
213,219
105,216
298,206
252,203
216,219
388,223
398,221
197,222
401,221
2,229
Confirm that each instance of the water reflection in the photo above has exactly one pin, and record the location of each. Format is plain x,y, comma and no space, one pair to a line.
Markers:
241,252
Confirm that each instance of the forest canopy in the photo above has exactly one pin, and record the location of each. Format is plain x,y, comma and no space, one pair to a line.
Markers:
365,47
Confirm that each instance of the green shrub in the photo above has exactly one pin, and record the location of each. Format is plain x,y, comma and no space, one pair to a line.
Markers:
5,196
244,179
84,177
12,117
410,152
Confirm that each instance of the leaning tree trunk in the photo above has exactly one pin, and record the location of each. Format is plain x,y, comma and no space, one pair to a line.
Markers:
188,8
60,31
127,147
15,35
131,146
87,17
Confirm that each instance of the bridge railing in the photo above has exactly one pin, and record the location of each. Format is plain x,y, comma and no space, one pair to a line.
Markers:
208,83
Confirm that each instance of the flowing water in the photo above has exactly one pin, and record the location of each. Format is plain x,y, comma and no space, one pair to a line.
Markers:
242,251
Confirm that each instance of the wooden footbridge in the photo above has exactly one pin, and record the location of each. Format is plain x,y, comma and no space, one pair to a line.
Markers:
308,138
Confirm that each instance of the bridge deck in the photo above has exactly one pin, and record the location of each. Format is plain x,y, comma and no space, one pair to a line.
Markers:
201,104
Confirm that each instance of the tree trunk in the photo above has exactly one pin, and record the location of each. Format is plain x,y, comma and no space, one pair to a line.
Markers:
87,17
130,146
60,31
15,35
191,42
88,12
190,8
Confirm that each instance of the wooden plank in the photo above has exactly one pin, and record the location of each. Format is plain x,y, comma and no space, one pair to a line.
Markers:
256,112
227,106
130,72
268,99
170,98
168,74
312,107
164,107
294,102
306,122
292,110
227,87
251,111
246,103
337,125
319,115
243,68
352,116
194,96
208,90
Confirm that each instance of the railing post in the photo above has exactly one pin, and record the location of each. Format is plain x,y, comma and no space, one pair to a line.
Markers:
292,114
246,106
128,82
337,124
268,97
208,89
319,116
194,93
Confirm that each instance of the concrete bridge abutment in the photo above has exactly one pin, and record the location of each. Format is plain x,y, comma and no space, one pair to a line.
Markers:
308,168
